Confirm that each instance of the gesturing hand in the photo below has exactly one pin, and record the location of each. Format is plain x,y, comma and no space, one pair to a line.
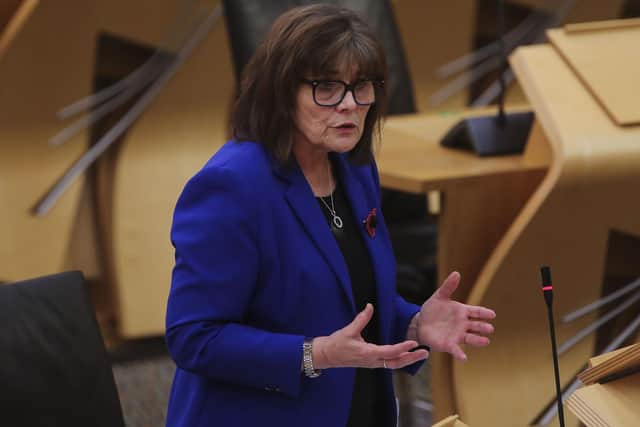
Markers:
346,348
445,324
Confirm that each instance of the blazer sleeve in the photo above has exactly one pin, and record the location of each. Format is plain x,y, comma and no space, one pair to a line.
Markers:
215,236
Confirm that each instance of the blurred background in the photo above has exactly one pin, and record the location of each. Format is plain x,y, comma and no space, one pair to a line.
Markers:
107,107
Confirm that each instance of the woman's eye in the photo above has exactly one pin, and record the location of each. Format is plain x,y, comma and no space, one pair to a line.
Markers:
328,86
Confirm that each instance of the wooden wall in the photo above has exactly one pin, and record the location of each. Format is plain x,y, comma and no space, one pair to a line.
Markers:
51,62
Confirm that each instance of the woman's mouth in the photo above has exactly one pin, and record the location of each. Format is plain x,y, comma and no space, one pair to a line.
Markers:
346,126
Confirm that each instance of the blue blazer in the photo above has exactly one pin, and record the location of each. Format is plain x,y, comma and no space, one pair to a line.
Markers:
257,270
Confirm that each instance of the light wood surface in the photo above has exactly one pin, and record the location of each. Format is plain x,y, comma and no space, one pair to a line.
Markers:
588,191
608,62
613,404
611,363
480,199
48,64
601,359
422,25
412,159
187,124
609,24
452,421
165,149
16,14
481,195
140,184
51,63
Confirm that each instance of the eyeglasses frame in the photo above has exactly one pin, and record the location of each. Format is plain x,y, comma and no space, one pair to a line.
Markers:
348,87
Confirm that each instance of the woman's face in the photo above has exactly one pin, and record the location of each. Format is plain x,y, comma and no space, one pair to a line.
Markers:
326,129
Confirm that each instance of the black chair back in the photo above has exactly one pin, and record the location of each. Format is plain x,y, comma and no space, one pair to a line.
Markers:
248,21
54,369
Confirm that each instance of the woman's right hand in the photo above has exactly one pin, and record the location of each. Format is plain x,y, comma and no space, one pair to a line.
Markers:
346,348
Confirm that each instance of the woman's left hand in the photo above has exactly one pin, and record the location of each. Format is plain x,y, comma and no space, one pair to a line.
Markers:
445,324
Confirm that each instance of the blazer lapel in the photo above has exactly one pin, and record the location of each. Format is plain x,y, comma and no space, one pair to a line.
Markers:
304,205
361,207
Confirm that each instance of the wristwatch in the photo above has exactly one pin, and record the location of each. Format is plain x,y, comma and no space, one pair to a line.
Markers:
307,359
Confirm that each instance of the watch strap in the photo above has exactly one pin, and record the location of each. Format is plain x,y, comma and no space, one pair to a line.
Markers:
307,359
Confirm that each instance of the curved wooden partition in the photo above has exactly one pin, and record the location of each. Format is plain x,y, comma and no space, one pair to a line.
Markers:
47,65
50,63
178,133
591,189
13,15
141,180
481,197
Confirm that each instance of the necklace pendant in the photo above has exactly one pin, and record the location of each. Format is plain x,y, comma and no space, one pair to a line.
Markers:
337,221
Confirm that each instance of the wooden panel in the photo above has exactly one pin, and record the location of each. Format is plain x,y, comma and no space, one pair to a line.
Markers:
13,15
452,421
422,26
480,197
612,363
8,9
48,65
412,159
565,224
175,137
606,60
123,18
613,404
582,10
610,24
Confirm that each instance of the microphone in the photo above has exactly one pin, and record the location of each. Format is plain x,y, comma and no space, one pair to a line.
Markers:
547,290
504,133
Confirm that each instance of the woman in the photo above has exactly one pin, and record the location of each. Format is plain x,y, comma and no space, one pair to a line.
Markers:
283,309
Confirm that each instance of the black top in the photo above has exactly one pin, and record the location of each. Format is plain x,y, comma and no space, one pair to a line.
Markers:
367,406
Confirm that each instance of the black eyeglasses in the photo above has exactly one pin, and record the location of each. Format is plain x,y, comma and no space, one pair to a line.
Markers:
329,93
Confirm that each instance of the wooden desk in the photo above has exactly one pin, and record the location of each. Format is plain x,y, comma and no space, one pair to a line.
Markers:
480,199
480,196
411,158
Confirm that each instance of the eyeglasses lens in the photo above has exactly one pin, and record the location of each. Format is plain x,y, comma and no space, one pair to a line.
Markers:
329,93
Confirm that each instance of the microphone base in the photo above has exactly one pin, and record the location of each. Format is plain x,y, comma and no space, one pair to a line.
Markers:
487,137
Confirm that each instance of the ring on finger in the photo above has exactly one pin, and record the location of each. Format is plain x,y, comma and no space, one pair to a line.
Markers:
384,364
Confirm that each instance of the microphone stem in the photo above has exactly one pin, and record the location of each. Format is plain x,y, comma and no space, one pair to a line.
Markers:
555,365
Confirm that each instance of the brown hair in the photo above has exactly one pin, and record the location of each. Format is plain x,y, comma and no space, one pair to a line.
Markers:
309,40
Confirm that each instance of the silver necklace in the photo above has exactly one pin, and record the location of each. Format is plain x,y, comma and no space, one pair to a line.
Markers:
337,221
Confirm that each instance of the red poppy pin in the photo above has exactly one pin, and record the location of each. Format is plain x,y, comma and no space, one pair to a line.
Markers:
370,222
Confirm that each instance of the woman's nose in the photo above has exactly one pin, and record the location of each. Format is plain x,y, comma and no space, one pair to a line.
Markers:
348,102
